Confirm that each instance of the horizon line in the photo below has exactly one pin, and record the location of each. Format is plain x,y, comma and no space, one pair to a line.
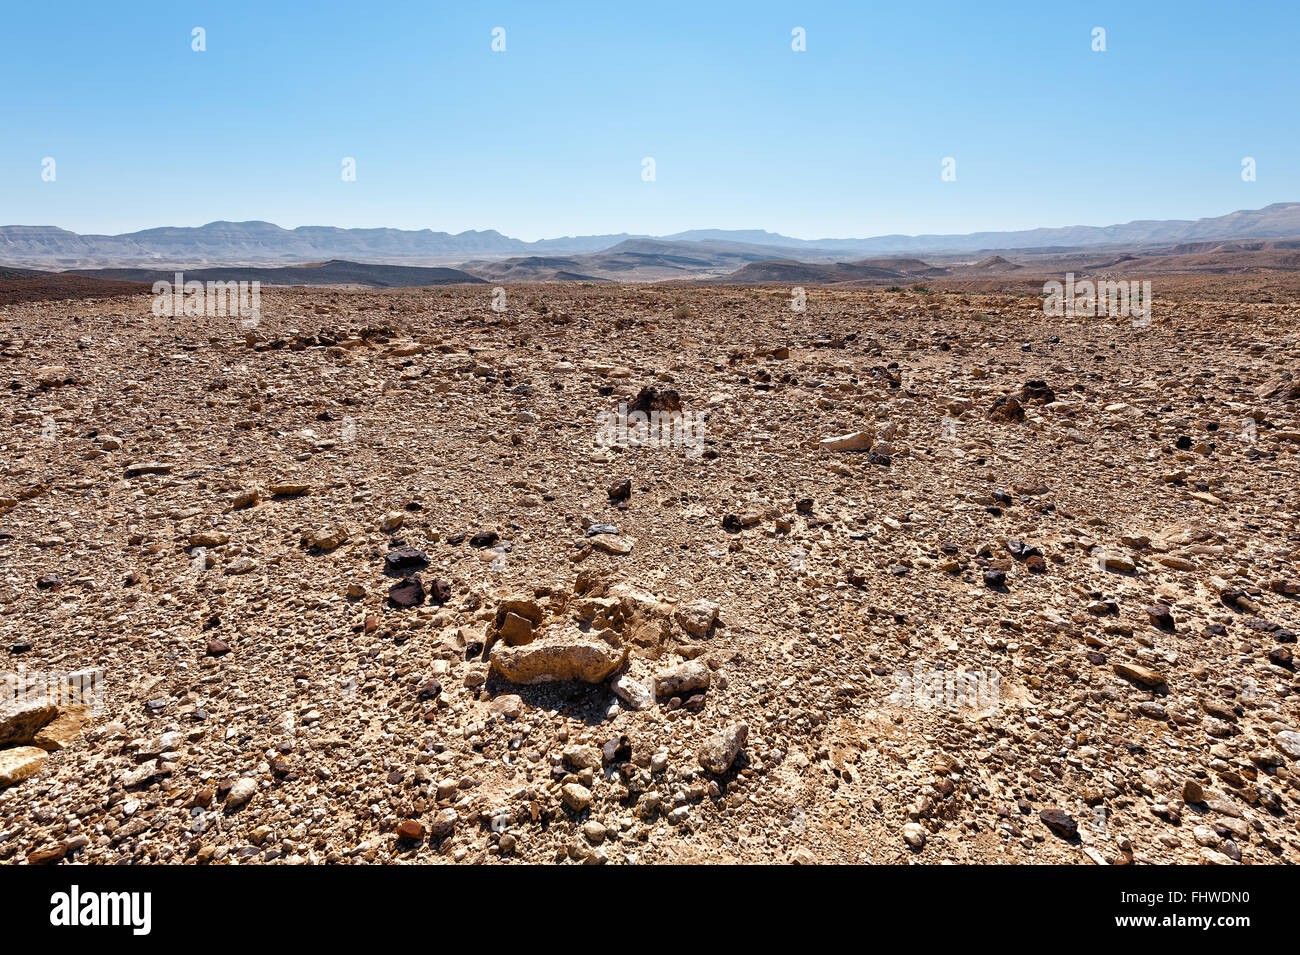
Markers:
639,235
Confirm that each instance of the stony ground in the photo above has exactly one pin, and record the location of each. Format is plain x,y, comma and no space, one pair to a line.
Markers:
1044,612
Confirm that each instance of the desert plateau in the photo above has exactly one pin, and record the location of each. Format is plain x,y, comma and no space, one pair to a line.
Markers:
931,576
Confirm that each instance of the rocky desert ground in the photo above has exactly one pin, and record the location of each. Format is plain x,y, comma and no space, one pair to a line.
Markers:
934,578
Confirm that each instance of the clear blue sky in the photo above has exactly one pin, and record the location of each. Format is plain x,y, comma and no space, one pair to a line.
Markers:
547,138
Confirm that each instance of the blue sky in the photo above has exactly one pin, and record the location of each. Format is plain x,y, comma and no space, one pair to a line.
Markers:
547,138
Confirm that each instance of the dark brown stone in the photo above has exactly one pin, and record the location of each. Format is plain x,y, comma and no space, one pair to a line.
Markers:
650,399
408,592
1060,822
440,590
1161,616
1006,408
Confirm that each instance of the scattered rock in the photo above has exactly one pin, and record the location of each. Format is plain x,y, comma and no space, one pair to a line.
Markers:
241,791
697,617
1060,822
720,750
576,797
914,835
408,592
1135,671
689,676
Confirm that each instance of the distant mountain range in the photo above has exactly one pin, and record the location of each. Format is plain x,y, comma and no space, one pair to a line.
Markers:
695,263
266,244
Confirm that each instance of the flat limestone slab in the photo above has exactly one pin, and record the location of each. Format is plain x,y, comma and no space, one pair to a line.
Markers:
21,719
19,762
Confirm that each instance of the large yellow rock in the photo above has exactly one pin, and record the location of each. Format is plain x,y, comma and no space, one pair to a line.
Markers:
558,657
60,732
328,536
19,762
516,630
21,719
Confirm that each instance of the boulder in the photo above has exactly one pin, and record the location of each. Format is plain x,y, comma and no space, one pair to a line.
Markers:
1116,563
410,830
444,824
290,488
51,376
690,676
1006,408
582,756
241,792
1060,822
634,693
408,592
403,557
61,731
327,536
19,762
516,630
914,835
209,539
522,605
21,719
565,656
650,399
618,546
634,615
697,617
576,797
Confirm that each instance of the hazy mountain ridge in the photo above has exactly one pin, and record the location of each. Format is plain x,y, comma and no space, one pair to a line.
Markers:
264,243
